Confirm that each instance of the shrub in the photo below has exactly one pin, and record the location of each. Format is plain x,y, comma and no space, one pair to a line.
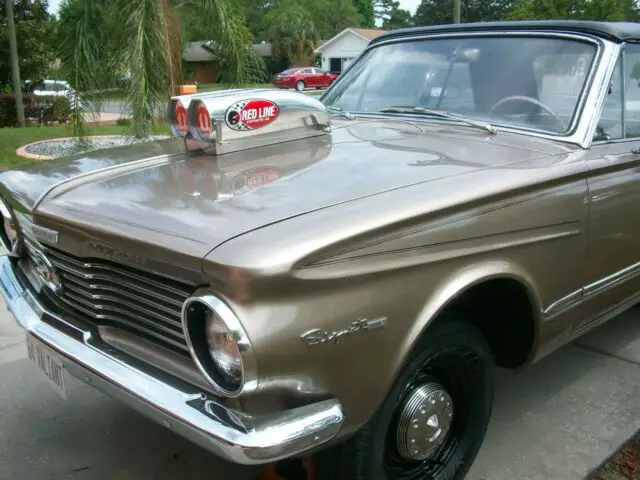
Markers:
36,109
61,109
7,110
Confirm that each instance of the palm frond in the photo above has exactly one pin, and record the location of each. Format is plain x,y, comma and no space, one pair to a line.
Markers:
173,42
233,40
293,35
148,62
82,55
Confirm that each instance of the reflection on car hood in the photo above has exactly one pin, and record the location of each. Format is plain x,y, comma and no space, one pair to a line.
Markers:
159,188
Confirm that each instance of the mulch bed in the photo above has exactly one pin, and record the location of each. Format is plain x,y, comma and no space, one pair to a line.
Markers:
623,464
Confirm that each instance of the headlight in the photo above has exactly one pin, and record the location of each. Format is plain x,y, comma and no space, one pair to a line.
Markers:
219,345
10,232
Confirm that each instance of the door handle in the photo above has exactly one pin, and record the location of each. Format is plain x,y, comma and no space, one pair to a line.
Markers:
636,150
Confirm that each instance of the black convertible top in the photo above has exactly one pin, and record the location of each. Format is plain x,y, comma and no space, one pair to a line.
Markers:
616,31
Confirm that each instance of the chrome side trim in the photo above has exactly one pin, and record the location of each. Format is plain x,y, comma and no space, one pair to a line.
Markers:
186,409
575,297
563,303
605,316
612,280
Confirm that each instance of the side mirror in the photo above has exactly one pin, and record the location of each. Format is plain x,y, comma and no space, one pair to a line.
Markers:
601,135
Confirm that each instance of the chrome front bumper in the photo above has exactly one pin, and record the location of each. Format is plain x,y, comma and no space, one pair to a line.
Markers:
191,413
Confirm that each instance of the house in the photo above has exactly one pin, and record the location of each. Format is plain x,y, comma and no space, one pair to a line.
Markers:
200,62
338,52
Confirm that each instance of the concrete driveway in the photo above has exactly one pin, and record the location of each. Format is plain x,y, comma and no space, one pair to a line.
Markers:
556,421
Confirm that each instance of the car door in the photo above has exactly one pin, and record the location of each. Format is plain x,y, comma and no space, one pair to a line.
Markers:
308,77
324,77
317,76
613,256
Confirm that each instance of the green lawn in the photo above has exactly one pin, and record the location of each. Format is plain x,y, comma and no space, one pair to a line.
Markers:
13,138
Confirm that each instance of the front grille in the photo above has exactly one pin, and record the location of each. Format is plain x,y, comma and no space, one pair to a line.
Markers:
111,294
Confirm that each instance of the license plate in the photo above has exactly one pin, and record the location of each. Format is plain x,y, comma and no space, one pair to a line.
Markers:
49,363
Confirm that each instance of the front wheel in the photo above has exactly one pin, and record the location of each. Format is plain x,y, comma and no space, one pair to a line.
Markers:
433,422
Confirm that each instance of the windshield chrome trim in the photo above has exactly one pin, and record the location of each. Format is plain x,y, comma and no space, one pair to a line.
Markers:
584,121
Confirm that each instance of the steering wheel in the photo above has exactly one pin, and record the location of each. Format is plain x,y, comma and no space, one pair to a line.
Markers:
522,98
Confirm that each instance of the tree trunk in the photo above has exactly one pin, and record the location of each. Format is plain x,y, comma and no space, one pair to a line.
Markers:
456,11
15,64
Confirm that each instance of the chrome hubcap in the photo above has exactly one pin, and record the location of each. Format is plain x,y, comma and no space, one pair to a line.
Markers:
425,420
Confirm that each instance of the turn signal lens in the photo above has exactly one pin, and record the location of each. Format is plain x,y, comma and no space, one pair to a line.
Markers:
9,229
223,348
219,345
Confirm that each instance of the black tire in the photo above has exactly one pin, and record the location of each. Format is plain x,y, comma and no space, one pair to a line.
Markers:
300,86
456,354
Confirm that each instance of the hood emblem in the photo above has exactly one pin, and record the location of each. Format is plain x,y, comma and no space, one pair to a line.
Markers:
44,235
46,272
317,336
116,255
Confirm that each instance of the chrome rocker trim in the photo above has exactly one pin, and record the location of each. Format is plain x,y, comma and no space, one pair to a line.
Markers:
193,414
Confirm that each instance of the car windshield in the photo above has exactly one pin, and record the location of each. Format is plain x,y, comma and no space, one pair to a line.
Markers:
521,81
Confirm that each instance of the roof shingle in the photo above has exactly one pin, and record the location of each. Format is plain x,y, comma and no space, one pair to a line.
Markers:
369,33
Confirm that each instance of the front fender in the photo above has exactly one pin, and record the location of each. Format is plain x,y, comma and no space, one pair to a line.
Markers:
455,285
360,368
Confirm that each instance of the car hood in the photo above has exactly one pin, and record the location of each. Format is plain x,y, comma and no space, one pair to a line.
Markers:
159,194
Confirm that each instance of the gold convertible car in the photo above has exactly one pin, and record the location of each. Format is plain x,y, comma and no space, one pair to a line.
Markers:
289,275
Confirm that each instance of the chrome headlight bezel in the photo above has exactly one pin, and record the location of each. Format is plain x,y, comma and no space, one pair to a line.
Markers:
194,327
12,245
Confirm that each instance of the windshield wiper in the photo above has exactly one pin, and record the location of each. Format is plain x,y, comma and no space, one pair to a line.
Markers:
339,111
442,114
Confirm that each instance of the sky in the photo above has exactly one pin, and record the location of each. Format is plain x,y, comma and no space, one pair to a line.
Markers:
410,5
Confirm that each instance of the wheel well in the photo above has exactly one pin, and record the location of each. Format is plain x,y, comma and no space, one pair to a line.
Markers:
502,309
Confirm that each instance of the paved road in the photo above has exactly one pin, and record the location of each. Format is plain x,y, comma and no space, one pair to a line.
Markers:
112,107
118,107
555,421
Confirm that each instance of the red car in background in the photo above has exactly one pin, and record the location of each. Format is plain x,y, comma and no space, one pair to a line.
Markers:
304,77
